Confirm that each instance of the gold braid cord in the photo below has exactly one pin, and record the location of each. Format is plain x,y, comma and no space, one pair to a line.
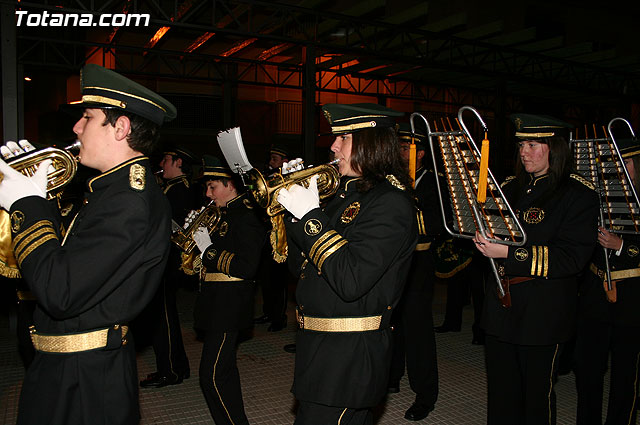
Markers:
278,238
8,265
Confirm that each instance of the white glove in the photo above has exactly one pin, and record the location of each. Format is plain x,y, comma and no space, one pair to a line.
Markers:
15,185
299,200
293,165
202,238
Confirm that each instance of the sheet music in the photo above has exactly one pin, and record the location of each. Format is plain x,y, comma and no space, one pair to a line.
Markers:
230,142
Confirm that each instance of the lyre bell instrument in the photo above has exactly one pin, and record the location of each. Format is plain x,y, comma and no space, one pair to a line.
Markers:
598,159
208,217
264,189
490,213
62,170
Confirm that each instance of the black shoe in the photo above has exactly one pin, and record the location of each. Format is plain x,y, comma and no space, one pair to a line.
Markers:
262,319
393,388
155,380
445,328
417,412
290,348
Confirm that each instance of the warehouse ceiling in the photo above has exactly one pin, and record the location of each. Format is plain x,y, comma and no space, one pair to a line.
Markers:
571,52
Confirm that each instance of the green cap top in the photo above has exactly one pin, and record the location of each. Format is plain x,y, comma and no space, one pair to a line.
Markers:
213,168
279,150
628,147
358,116
529,127
104,88
405,135
180,152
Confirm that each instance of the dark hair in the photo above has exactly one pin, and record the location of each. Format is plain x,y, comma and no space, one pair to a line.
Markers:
375,153
237,184
144,136
185,166
560,166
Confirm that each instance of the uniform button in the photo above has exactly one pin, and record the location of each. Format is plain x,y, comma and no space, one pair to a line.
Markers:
388,307
85,201
342,195
124,341
302,276
116,327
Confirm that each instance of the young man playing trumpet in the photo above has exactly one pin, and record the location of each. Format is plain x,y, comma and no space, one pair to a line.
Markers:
92,281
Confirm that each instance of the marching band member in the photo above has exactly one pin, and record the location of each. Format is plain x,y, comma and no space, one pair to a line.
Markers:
352,259
92,282
610,323
558,211
224,306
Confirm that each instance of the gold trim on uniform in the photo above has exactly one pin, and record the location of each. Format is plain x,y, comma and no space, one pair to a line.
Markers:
312,227
350,213
546,261
319,241
17,218
521,254
423,246
533,215
395,182
540,260
341,324
584,181
24,254
329,252
224,261
534,260
316,256
533,135
126,94
422,230
30,239
73,343
615,274
137,174
350,127
113,170
220,277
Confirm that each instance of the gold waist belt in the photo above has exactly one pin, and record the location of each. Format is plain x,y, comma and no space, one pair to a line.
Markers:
220,277
343,324
616,274
423,246
73,343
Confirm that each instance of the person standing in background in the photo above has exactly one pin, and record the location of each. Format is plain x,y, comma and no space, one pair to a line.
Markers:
559,212
609,322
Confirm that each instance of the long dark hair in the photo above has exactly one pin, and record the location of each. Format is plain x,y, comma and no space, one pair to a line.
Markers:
375,153
560,166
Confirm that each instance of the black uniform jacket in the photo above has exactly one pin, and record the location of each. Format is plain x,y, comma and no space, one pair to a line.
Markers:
235,251
353,260
102,274
561,231
593,302
181,197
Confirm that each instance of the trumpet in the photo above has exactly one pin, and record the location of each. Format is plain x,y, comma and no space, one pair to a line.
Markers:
209,217
63,167
62,170
265,189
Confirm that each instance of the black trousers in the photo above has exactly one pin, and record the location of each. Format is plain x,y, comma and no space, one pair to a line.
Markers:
220,380
594,341
274,287
414,339
171,358
520,382
471,278
318,414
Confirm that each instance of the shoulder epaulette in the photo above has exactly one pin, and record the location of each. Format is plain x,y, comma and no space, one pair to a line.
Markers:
584,181
507,180
395,182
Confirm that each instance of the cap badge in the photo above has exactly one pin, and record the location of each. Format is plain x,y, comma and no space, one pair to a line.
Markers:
312,227
533,215
350,213
137,175
518,123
